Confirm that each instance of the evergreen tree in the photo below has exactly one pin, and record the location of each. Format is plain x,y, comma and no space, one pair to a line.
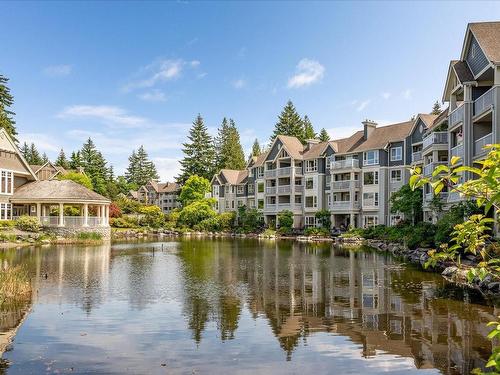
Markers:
289,123
45,158
34,156
61,160
6,115
140,170
436,108
25,151
256,151
230,154
94,165
75,160
324,136
309,132
199,153
220,142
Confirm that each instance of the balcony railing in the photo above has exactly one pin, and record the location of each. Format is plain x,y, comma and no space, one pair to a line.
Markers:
284,206
430,196
270,206
284,189
270,173
456,116
344,205
284,171
458,150
435,138
416,156
481,142
345,164
298,170
484,102
453,196
71,221
429,168
271,190
344,185
299,188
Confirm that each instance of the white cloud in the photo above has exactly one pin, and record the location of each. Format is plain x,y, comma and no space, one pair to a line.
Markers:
160,71
58,70
43,142
386,95
407,94
153,96
239,83
168,168
109,115
307,72
363,105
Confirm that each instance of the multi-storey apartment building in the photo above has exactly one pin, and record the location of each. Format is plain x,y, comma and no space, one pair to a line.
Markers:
230,189
163,195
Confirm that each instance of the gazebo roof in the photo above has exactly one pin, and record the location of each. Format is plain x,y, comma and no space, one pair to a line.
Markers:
58,191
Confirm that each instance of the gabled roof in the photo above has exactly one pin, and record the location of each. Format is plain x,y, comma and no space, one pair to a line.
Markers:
6,143
382,136
487,35
349,144
293,145
315,150
234,177
56,190
462,71
167,187
258,161
427,119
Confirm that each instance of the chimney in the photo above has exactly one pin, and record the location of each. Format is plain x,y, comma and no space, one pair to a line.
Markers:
310,142
369,127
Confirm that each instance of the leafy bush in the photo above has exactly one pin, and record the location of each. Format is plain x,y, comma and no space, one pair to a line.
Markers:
320,232
285,220
114,210
28,223
353,232
194,213
152,216
7,224
250,220
128,206
221,222
79,178
194,189
89,236
269,233
71,211
124,222
456,215
324,218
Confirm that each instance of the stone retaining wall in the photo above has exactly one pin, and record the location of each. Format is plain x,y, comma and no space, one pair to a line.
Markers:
69,232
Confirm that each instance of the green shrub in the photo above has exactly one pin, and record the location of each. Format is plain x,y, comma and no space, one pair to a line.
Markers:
89,236
79,178
194,213
124,222
128,206
7,224
353,232
269,233
324,218
250,220
28,223
319,232
285,220
152,217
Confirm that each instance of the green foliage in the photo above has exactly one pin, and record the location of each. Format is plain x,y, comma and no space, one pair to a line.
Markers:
317,232
269,233
195,212
128,206
285,220
408,202
199,153
95,167
229,153
289,123
124,222
324,218
6,115
436,108
152,216
250,219
71,211
7,224
89,236
494,360
194,189
79,178
221,222
61,160
256,150
140,170
31,154
309,132
419,235
28,223
323,135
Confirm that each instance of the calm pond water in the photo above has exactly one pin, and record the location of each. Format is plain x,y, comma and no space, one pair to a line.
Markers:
239,306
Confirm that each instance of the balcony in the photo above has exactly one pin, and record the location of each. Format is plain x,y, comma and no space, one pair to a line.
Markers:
345,205
435,138
430,196
298,170
458,151
484,102
72,221
271,190
456,116
344,185
270,206
429,168
416,156
345,164
481,142
270,173
284,171
284,189
454,196
299,188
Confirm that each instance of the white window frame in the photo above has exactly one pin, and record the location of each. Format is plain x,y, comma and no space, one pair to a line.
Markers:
251,189
240,189
375,178
5,211
307,180
373,199
6,182
373,218
397,153
314,201
371,161
260,172
393,179
310,222
311,165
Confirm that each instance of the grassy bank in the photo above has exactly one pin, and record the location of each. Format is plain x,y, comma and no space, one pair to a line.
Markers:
15,286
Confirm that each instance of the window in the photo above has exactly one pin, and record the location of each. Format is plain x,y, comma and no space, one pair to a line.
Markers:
227,204
312,165
370,199
328,179
396,153
6,182
260,204
329,199
298,199
240,203
260,187
312,201
240,189
251,203
251,188
309,183
298,182
329,161
215,190
233,189
370,221
370,157
396,175
227,188
232,204
309,221
370,178
5,211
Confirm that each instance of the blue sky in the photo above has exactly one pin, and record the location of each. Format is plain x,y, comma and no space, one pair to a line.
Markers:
138,73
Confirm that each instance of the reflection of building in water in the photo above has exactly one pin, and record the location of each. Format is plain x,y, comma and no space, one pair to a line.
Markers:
364,296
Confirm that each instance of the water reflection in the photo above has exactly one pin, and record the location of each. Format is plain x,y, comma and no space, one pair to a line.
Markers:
240,306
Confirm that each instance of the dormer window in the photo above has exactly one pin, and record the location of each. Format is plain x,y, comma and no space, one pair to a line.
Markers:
396,153
312,165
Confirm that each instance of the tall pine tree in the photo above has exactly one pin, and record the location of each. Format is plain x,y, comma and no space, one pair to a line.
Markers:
309,132
34,156
45,158
289,123
256,151
95,166
230,154
436,108
75,160
6,115
199,153
220,142
25,151
140,170
324,136
61,160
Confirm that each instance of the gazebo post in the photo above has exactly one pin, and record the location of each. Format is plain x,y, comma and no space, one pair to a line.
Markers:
61,215
86,215
39,210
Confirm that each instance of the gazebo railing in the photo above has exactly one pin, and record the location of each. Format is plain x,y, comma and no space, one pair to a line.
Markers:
71,221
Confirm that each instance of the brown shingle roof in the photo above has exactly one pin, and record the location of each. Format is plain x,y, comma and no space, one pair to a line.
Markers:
348,144
57,191
167,187
259,160
383,135
427,119
234,177
462,71
315,150
293,146
488,36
